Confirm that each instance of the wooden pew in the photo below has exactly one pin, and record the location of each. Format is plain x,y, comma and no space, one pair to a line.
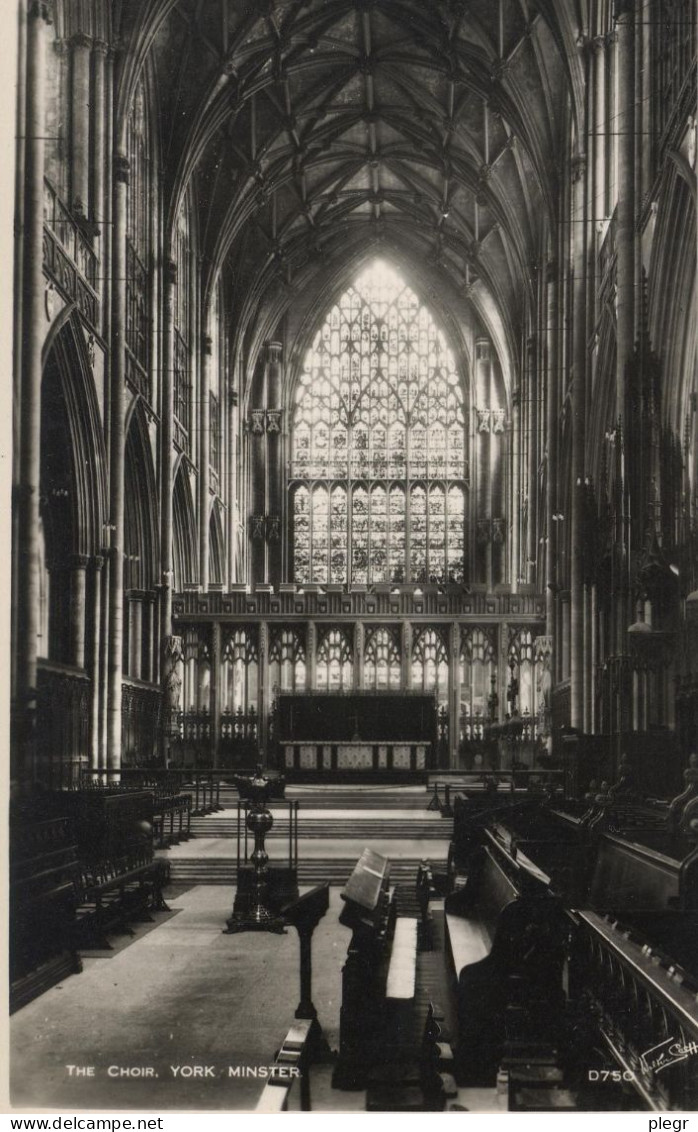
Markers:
506,936
414,1071
388,1031
291,1071
641,1009
651,895
632,972
120,880
413,901
471,816
115,893
366,912
171,819
44,873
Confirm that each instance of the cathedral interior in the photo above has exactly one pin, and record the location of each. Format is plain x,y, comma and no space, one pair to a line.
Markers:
355,507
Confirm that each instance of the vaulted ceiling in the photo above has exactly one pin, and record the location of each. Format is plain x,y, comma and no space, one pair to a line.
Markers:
311,128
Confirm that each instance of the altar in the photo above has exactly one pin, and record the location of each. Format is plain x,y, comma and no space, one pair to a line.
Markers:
355,756
386,734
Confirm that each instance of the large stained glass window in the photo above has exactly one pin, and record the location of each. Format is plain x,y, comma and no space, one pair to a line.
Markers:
378,460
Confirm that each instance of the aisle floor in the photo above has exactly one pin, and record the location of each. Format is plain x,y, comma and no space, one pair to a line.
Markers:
170,1019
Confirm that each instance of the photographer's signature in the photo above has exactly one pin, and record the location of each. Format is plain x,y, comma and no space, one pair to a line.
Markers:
669,1052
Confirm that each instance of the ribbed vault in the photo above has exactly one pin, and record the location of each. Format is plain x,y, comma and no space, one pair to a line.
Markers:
308,126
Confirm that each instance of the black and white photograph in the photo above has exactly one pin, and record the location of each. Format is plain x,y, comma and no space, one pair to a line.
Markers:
353,607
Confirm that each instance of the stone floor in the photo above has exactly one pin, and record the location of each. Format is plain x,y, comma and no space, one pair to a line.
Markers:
308,848
159,1025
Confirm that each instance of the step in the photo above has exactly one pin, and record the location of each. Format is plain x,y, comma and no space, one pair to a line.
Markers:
381,829
334,797
212,870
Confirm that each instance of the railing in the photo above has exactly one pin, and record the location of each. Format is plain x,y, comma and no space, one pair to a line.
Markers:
62,728
68,257
472,727
239,724
239,737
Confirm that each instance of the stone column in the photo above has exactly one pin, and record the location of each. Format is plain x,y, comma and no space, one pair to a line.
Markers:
273,508
149,635
257,449
625,274
263,699
104,660
484,476
116,463
625,217
515,433
503,670
586,654
530,551
593,658
204,462
99,129
551,469
406,673
80,54
578,398
311,657
95,671
215,690
135,602
599,103
166,453
32,318
78,606
644,32
453,692
359,638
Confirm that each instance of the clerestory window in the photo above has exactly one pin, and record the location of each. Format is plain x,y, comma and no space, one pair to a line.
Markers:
378,456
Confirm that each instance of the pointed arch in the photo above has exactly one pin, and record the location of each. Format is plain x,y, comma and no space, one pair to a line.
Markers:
216,544
140,521
73,453
183,532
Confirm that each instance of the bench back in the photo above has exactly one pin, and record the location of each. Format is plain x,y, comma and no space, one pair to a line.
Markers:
631,879
487,892
496,890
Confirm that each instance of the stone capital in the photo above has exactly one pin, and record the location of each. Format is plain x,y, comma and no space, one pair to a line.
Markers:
274,353
122,168
81,41
40,10
578,165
